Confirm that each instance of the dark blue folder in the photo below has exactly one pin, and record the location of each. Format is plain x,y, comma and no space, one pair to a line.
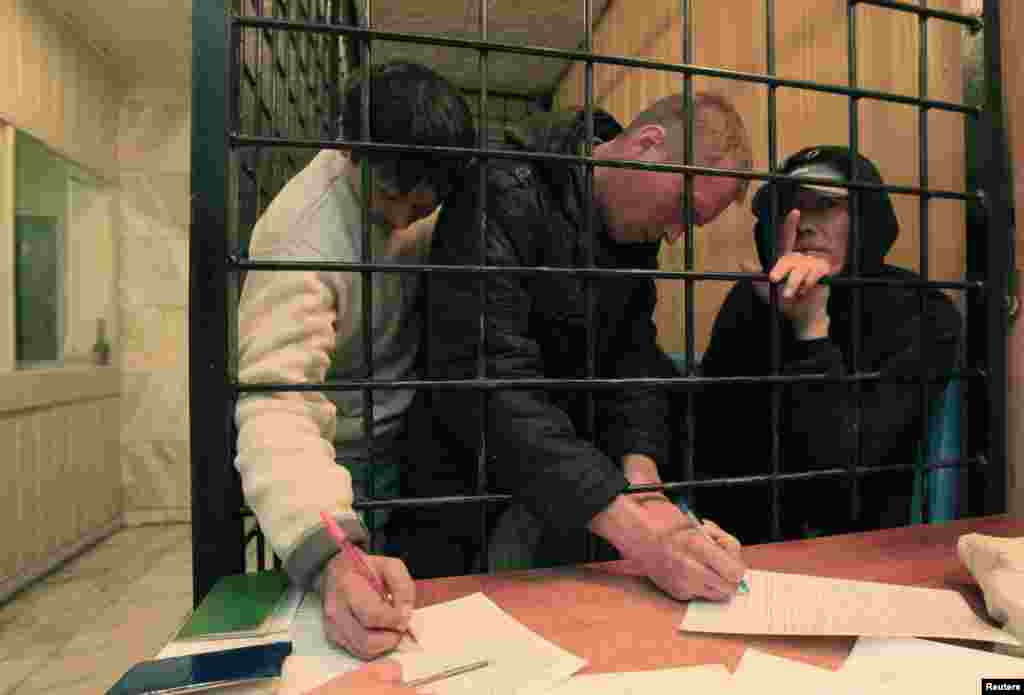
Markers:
181,674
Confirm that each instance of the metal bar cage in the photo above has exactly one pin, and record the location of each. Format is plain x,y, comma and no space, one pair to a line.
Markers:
265,99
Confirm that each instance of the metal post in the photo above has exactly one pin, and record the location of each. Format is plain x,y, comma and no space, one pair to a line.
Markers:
217,533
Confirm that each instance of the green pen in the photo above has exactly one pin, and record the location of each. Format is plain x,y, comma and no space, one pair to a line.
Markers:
704,532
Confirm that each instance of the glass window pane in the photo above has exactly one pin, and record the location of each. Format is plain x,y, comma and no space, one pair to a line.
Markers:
37,239
41,190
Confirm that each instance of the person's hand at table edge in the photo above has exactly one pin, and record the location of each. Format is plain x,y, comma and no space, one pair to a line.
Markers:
379,678
356,617
997,564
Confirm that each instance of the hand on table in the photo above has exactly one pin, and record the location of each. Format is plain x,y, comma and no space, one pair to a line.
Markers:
356,618
655,534
663,512
379,678
685,565
998,566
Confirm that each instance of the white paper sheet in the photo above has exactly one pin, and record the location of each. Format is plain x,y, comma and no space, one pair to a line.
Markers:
767,674
916,665
796,604
712,678
451,634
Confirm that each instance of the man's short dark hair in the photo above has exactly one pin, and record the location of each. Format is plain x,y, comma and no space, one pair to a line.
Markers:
410,104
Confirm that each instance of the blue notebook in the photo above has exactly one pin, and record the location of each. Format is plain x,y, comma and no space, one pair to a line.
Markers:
198,672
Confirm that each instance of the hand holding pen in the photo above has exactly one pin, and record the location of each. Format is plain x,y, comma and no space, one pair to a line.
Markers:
367,600
704,532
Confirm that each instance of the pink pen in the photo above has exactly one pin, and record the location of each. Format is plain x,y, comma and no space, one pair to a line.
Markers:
356,558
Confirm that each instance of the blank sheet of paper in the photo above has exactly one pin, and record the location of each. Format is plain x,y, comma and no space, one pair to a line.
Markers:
712,678
797,604
454,633
767,674
916,665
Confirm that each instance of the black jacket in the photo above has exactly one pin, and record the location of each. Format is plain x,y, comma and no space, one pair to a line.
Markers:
819,421
537,443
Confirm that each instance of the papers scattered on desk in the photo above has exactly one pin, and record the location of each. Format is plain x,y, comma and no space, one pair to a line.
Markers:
712,678
916,665
878,667
759,672
451,634
796,604
875,667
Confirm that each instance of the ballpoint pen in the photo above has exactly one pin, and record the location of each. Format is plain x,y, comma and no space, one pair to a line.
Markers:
356,558
704,532
448,673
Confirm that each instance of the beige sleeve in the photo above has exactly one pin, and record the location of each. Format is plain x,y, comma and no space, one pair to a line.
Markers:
286,334
998,566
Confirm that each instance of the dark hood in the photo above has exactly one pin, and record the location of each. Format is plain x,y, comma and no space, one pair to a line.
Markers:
877,229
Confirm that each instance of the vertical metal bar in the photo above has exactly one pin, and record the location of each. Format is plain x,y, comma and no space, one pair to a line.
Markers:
258,125
854,251
924,203
217,530
589,229
686,30
775,328
481,354
334,69
231,232
998,250
234,85
367,274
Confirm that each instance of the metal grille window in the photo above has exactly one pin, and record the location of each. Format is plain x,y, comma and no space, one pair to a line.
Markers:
254,128
286,88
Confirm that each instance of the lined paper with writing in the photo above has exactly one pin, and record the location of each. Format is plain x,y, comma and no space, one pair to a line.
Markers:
796,604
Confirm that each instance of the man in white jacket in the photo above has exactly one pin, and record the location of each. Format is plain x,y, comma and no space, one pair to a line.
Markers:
300,453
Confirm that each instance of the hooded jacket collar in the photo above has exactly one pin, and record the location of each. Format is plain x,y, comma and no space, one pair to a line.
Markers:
877,226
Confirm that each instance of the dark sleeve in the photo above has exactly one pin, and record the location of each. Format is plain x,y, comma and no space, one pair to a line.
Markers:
532,446
636,420
821,419
730,351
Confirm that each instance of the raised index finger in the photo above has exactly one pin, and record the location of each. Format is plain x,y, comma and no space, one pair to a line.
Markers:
789,226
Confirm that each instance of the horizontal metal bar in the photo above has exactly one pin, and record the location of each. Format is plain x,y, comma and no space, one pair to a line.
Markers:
978,461
237,140
669,487
404,502
554,384
561,54
529,97
973,23
240,264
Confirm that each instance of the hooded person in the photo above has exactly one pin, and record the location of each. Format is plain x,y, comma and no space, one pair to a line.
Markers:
821,424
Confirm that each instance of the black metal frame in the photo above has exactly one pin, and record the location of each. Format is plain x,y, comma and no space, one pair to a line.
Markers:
216,261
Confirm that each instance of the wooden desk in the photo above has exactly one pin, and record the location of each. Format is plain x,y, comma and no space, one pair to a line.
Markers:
621,622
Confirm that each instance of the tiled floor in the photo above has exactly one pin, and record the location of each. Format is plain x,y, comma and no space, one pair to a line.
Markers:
77,631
